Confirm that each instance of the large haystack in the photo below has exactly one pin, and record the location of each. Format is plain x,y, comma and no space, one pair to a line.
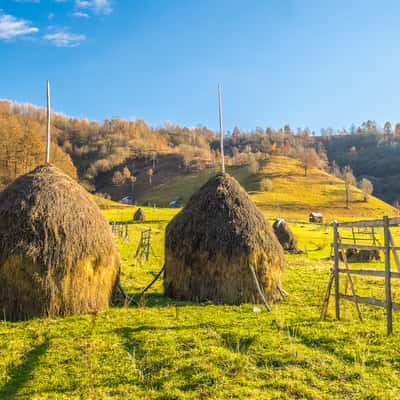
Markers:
139,215
285,236
57,253
211,242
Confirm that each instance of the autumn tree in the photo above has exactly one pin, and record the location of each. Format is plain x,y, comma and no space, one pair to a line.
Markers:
253,165
366,187
126,173
118,178
309,159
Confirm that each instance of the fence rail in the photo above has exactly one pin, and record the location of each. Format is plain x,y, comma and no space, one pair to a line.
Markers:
388,247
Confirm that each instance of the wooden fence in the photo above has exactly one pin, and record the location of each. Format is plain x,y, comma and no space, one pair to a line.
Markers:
340,248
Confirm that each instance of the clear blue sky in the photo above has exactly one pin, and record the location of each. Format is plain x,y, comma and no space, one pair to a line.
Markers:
306,63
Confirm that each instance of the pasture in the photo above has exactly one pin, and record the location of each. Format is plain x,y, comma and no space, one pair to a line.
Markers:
165,349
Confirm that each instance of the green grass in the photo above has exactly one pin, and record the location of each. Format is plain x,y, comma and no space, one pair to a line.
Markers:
178,350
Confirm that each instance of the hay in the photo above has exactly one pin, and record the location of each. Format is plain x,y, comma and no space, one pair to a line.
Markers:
211,242
139,215
57,253
355,255
285,236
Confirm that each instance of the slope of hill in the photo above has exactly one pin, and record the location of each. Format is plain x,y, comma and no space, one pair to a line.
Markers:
293,195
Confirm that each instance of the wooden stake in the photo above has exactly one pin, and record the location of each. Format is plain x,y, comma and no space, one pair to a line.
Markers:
388,289
353,290
258,287
221,130
395,254
336,268
48,124
325,304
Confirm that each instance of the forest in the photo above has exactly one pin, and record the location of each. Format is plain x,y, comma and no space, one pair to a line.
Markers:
115,156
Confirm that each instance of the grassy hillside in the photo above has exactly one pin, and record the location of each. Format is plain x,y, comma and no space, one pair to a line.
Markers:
105,204
293,195
177,350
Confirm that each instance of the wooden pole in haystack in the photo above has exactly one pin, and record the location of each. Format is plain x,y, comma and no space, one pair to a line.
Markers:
48,125
221,131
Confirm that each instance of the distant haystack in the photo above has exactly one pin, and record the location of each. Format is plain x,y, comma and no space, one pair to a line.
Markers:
285,236
354,255
211,242
139,215
57,253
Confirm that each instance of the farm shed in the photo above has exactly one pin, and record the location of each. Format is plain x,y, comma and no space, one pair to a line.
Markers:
316,217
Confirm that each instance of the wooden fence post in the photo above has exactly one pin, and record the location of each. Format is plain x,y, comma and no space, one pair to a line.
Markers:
336,267
388,289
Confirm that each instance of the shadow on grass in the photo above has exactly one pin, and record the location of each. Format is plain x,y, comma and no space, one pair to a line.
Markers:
23,372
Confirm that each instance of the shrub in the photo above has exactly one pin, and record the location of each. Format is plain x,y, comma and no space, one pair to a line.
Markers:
266,185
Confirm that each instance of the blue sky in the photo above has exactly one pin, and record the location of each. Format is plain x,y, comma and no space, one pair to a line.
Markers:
303,62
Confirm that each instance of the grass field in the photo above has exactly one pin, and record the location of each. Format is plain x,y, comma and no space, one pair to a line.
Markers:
175,350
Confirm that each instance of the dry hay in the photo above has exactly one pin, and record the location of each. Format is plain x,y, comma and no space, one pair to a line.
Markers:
285,236
57,253
211,242
139,215
354,255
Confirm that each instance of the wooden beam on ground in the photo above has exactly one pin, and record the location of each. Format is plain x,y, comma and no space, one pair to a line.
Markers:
258,287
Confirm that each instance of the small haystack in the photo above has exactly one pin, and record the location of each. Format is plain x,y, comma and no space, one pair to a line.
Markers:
57,253
285,236
211,242
355,255
139,215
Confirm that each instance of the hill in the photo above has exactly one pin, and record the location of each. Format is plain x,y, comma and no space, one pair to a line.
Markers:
293,195
371,155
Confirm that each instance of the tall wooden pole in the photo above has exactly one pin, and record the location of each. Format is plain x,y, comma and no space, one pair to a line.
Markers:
221,130
48,125
388,289
336,268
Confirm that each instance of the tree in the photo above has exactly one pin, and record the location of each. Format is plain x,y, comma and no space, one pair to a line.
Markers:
387,129
366,187
349,179
150,174
309,159
126,173
118,178
253,166
266,185
132,181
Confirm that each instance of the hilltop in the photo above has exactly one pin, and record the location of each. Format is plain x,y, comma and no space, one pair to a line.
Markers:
293,195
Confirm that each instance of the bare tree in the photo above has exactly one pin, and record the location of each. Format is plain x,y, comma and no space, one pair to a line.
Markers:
366,187
150,174
349,179
132,180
